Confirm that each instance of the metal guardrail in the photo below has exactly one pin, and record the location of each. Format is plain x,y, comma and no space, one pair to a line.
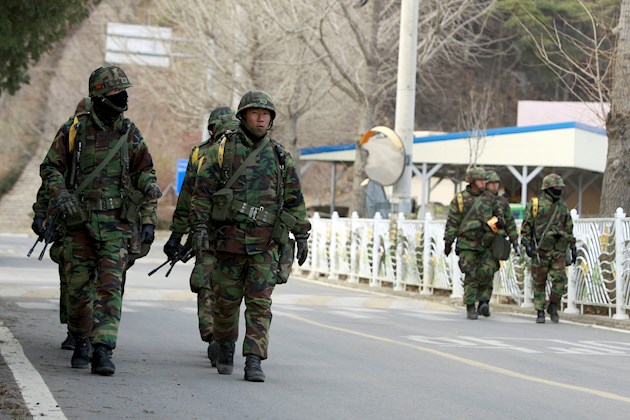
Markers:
409,255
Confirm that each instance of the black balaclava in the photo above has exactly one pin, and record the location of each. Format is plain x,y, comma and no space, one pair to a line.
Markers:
554,193
109,108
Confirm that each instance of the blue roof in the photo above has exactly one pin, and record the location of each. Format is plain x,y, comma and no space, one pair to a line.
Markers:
466,134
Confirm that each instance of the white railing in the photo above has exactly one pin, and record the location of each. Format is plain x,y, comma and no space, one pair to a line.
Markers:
409,255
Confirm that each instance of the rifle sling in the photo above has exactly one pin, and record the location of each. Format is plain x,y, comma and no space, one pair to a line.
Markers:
469,213
99,168
553,215
245,164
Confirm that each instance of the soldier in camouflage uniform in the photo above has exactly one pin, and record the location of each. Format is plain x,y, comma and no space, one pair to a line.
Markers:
468,216
100,201
493,182
251,217
221,119
547,235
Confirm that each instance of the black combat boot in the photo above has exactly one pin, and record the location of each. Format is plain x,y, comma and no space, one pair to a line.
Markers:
101,361
552,309
540,319
471,313
213,352
69,343
484,308
81,356
253,371
225,363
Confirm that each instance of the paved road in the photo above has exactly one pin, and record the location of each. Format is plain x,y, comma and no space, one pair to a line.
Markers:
334,353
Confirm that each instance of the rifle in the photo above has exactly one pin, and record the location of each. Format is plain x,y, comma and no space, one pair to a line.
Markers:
47,236
184,254
535,246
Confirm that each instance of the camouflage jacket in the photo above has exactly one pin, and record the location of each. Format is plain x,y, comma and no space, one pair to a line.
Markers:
108,184
471,230
559,235
257,186
510,224
182,209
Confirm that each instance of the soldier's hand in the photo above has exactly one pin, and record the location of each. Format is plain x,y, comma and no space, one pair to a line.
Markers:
200,240
573,254
448,247
516,248
67,203
173,246
302,251
153,191
38,224
529,251
147,234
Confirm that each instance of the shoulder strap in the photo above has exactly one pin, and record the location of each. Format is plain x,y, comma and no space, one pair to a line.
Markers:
99,168
195,155
534,207
246,163
460,202
553,215
470,211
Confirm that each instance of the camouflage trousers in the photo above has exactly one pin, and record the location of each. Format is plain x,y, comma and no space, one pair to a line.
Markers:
94,272
200,284
56,254
551,266
478,268
252,277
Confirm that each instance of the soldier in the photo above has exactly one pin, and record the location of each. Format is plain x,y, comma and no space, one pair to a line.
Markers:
218,123
99,173
249,193
42,209
547,235
493,182
473,215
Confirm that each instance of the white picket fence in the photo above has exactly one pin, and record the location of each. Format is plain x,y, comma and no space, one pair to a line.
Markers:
409,255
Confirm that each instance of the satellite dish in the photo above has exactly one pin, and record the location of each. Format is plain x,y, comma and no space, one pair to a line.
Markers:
385,155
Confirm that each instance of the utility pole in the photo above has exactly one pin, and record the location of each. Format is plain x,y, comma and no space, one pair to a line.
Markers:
406,99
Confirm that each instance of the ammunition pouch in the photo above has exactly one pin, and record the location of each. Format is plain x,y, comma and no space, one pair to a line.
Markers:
221,205
501,247
286,255
76,220
131,203
282,227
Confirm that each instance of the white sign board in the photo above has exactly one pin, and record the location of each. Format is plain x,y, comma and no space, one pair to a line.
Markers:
137,44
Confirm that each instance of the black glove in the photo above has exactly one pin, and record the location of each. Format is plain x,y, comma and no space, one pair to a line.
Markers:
529,251
302,251
153,191
573,254
516,248
67,203
200,241
38,224
173,246
147,234
448,247
500,223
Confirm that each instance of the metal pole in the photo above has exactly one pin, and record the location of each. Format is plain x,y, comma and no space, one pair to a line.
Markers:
406,98
333,188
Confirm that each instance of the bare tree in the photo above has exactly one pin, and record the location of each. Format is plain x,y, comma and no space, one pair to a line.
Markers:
474,117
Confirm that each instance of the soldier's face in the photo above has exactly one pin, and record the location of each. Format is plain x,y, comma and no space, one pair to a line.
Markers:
480,183
492,186
257,120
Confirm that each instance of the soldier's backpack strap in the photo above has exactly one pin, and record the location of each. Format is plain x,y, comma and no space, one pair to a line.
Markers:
227,150
534,207
460,202
76,139
195,155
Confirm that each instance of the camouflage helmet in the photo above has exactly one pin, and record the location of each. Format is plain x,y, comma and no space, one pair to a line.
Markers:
552,181
474,174
492,176
104,79
217,113
224,123
256,99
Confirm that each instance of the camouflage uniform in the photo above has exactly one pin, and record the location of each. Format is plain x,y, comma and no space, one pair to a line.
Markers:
98,226
247,257
221,119
474,237
510,230
547,241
